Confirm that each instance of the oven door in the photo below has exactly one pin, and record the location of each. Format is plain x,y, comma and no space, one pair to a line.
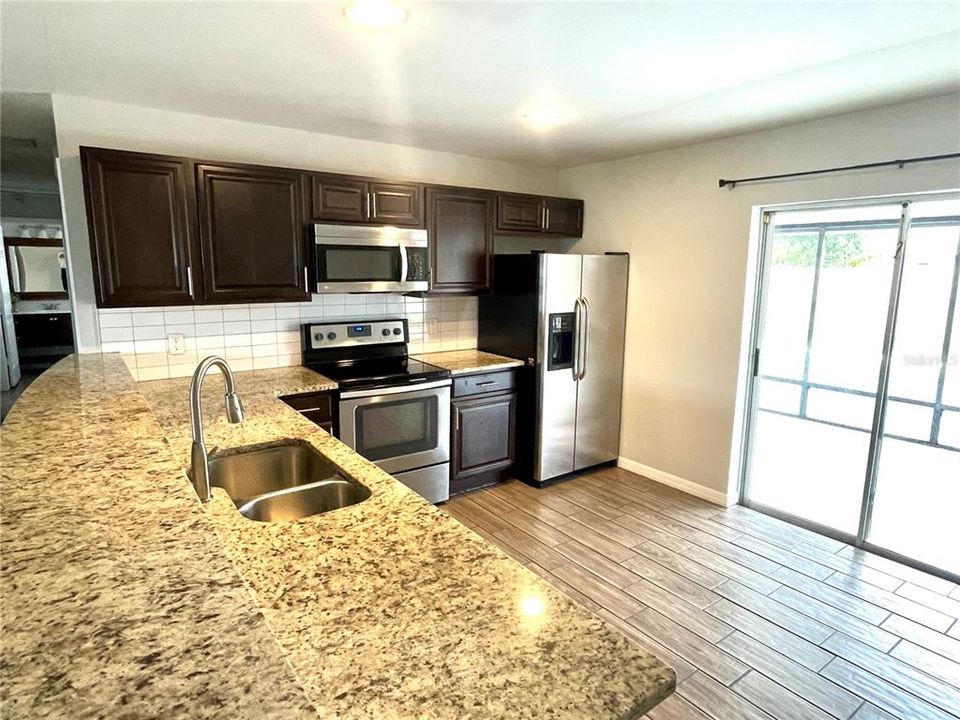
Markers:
398,428
369,259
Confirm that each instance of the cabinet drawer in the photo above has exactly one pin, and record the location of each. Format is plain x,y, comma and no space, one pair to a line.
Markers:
316,407
485,383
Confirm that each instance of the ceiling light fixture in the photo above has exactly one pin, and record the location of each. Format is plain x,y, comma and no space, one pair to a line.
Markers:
375,13
545,113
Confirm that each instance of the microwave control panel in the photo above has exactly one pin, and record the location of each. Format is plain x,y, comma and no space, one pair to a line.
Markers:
352,334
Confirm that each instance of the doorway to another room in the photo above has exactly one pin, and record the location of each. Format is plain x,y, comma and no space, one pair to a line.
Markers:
36,320
854,422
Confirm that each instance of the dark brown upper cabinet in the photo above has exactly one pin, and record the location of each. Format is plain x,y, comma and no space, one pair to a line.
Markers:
168,230
340,198
252,232
348,199
531,214
460,227
141,220
519,213
563,217
396,204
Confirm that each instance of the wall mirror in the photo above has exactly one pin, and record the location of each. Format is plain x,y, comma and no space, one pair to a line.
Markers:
37,268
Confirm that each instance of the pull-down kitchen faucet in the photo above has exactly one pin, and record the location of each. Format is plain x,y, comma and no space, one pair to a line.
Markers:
199,461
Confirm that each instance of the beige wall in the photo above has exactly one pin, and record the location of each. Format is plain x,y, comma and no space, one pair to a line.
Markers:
689,243
82,121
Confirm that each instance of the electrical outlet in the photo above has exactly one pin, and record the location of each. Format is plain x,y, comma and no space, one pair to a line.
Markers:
433,326
176,344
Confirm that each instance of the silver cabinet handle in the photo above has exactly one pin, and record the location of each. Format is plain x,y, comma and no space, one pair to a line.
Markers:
368,206
546,219
584,338
373,195
543,218
306,279
190,280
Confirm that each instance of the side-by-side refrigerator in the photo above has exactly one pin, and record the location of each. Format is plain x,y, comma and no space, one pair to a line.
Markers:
565,317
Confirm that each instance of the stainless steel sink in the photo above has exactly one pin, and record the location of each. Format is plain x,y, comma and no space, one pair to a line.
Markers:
313,499
283,482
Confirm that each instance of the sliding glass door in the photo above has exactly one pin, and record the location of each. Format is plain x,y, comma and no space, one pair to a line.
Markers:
916,505
852,397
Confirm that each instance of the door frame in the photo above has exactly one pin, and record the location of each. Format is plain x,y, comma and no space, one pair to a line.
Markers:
757,308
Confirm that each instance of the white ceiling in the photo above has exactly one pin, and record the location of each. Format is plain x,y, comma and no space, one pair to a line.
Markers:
633,76
28,142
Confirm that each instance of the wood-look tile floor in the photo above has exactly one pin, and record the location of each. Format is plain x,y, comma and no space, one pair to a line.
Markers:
760,619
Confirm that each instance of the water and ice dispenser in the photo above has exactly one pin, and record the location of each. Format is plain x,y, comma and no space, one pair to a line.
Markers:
561,341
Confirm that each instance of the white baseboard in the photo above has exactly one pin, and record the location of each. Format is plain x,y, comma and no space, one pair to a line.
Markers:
677,482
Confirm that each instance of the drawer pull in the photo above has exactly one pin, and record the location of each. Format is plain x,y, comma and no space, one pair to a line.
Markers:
306,410
486,382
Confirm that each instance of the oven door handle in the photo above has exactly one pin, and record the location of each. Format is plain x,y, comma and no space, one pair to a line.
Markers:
403,263
413,387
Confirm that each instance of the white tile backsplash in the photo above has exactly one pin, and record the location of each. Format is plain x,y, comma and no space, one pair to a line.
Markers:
268,335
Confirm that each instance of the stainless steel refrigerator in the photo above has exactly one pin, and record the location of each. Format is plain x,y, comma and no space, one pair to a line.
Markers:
565,317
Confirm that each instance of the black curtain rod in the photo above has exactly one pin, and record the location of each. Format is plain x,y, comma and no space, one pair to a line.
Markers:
866,166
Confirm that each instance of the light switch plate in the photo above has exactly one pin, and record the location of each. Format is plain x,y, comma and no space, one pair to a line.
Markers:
176,344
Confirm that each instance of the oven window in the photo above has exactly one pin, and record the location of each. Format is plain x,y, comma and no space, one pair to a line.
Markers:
396,428
345,264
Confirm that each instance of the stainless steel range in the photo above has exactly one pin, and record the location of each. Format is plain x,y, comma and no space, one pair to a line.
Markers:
393,410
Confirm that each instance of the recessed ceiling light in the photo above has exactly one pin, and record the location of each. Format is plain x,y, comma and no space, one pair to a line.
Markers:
543,118
545,114
375,13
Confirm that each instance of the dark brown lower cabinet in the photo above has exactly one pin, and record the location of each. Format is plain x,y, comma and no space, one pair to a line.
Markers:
484,431
315,407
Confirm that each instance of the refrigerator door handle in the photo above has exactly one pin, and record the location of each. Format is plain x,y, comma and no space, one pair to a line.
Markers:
577,325
584,342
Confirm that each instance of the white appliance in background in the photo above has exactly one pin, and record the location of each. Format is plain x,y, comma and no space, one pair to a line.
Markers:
9,356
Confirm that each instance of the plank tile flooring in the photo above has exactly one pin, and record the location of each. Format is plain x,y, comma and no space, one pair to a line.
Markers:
760,619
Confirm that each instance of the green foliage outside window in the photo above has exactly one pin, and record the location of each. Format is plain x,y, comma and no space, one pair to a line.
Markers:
839,250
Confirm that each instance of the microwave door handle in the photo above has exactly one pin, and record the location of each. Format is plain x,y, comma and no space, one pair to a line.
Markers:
403,263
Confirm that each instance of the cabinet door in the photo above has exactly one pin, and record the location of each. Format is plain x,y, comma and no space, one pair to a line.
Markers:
483,436
520,213
35,330
396,204
252,233
564,217
461,236
340,198
141,215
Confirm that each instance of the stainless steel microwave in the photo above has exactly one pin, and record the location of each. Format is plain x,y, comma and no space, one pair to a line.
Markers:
367,258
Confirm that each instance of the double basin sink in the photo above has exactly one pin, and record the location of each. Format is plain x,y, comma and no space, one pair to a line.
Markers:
288,481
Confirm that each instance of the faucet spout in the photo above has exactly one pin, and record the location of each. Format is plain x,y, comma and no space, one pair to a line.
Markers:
199,460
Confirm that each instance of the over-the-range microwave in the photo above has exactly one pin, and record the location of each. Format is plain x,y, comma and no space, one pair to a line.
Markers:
355,258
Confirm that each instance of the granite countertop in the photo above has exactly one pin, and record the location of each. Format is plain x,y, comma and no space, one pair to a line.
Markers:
463,362
123,594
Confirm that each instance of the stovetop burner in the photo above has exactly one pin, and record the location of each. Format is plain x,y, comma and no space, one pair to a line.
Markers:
380,373
365,354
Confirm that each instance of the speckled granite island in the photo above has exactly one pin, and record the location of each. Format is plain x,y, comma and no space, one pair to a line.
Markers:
123,596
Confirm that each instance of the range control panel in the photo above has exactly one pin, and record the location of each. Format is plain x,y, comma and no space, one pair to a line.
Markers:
347,334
